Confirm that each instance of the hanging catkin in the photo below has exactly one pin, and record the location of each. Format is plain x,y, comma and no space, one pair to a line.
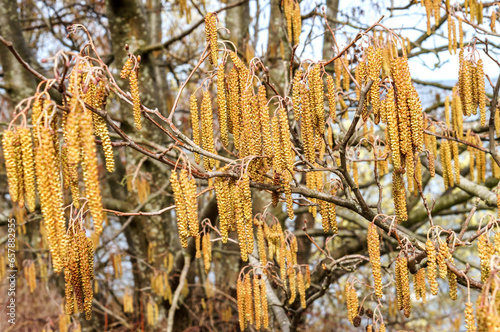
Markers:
180,208
90,172
431,266
207,130
222,105
211,37
195,124
28,167
11,164
374,252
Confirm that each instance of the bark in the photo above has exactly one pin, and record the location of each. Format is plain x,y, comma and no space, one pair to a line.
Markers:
278,49
332,9
238,22
20,83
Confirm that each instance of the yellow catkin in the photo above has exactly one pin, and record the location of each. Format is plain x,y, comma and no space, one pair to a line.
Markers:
265,123
246,203
302,290
469,317
240,222
263,299
222,105
180,205
345,74
136,98
207,130
298,87
257,302
28,167
393,131
451,28
431,266
240,296
419,285
374,67
292,280
460,33
207,252
485,250
331,95
338,72
456,160
428,11
317,100
11,164
405,285
225,205
493,20
211,37
189,191
362,77
399,197
195,124
443,255
446,163
19,169
400,74
79,273
452,283
249,305
416,119
297,23
352,302
233,104
128,302
374,252
261,246
481,91
307,129
127,68
90,170
86,252
51,201
117,265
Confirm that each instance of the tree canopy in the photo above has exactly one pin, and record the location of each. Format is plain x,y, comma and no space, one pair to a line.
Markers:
246,165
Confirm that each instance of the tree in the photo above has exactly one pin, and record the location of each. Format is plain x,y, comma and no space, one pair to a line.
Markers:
166,174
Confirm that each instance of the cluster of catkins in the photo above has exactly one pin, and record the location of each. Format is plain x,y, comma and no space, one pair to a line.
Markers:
291,9
432,9
79,273
401,110
161,286
234,202
251,295
42,153
186,206
471,86
487,307
355,311
152,312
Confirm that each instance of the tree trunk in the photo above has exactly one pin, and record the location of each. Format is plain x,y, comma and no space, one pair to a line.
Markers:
238,21
332,9
20,83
